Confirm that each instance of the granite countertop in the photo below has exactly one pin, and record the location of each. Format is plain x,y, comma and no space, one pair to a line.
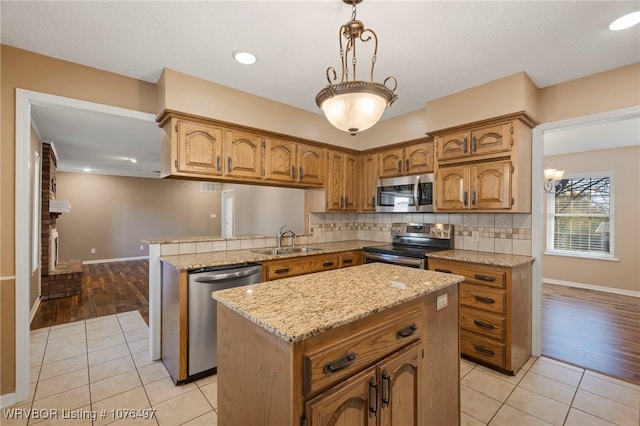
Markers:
300,307
202,238
494,259
230,257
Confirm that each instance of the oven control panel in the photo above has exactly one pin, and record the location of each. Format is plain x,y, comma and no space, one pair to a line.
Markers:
422,230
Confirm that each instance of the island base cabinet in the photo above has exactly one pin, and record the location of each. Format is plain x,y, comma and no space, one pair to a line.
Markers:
264,379
383,395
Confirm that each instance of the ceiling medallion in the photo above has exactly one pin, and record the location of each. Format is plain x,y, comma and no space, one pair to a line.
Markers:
353,105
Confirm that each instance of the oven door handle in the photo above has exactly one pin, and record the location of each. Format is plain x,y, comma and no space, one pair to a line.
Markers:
416,187
398,260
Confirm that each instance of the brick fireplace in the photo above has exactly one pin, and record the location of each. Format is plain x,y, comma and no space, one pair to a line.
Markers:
58,279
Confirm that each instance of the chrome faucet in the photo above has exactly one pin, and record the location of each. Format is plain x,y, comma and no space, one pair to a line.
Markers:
282,232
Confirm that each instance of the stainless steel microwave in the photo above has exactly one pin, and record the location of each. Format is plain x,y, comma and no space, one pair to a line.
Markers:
405,194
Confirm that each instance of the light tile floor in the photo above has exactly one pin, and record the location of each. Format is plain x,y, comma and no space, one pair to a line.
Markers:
101,367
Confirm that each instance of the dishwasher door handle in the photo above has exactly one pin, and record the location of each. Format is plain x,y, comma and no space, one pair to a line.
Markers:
213,278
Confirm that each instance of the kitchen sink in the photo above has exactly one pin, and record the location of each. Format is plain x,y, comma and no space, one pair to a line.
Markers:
284,250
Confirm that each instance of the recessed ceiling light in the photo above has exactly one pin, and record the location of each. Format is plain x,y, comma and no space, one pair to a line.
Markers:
626,21
244,58
133,160
87,169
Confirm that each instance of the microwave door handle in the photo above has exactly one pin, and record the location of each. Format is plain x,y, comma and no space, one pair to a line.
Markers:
416,187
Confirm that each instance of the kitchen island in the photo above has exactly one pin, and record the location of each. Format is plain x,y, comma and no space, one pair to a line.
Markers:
371,344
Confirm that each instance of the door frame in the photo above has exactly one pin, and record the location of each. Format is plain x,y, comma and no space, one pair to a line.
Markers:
24,100
538,214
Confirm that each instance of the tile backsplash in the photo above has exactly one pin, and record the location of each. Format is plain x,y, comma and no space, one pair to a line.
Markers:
496,233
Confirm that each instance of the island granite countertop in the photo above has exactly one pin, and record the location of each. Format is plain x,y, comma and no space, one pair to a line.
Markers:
493,259
300,307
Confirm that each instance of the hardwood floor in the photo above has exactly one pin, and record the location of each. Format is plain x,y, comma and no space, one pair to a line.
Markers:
591,329
107,288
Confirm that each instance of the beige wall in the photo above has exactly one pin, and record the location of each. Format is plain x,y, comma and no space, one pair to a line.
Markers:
605,91
507,95
625,274
27,70
113,213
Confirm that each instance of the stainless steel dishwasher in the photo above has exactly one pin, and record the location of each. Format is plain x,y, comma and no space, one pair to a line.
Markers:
202,359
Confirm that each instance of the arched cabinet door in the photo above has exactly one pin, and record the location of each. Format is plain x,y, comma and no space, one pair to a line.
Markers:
199,148
491,185
452,187
243,154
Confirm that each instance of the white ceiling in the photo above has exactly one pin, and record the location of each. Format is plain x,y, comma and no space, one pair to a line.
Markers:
432,48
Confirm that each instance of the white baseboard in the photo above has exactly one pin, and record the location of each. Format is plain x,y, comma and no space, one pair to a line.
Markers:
34,309
119,259
593,287
7,400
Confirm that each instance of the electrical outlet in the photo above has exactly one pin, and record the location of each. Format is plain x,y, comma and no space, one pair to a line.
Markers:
219,246
475,236
442,302
317,232
212,215
141,247
93,250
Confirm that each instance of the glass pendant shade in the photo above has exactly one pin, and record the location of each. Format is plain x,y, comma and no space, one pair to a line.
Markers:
354,112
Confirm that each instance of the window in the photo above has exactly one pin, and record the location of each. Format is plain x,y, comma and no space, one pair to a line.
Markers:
580,217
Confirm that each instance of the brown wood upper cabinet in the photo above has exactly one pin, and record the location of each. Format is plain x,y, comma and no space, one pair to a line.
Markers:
287,161
368,179
199,148
475,142
243,154
341,185
485,167
408,160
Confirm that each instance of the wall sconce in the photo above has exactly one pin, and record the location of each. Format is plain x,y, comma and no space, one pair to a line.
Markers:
552,178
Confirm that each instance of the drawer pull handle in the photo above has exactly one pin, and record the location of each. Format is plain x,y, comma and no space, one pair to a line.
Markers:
386,388
406,332
373,397
445,271
484,299
485,278
484,350
282,271
484,324
327,264
346,261
339,364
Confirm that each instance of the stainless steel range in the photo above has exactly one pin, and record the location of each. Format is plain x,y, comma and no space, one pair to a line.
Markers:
411,244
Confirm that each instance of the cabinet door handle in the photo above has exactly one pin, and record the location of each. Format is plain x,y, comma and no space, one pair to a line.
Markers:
484,350
406,165
400,166
465,145
339,364
373,201
346,202
483,299
446,271
373,397
473,198
406,332
484,278
386,388
327,264
218,163
228,164
281,271
464,198
347,261
300,172
474,145
484,324
293,172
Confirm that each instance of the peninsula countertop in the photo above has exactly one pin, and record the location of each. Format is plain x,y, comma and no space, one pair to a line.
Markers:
300,307
231,257
485,258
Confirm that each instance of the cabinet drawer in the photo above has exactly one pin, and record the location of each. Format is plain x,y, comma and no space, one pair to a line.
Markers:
485,323
299,266
482,348
330,364
474,274
480,297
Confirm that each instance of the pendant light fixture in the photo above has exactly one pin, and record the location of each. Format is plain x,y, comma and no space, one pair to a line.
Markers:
353,105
